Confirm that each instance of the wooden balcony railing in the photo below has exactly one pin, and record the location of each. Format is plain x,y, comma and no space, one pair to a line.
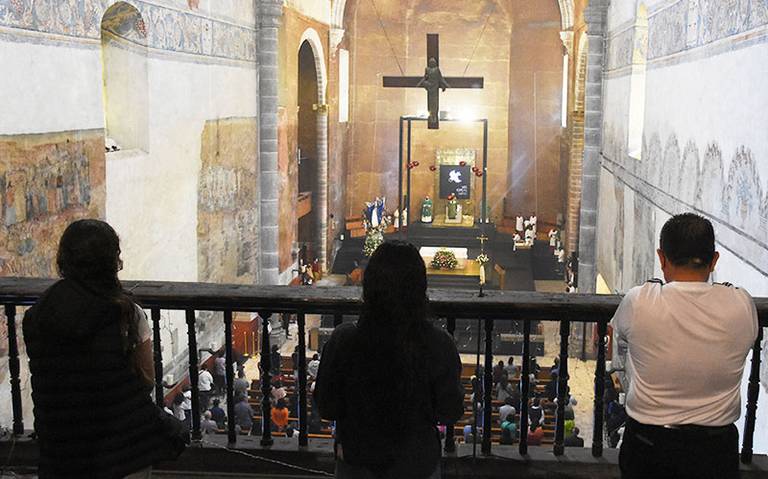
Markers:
343,301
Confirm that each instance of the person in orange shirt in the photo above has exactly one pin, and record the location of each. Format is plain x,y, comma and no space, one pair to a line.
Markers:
280,416
536,435
355,277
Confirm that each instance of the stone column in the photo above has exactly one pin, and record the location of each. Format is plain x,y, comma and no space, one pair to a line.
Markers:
321,203
270,12
595,17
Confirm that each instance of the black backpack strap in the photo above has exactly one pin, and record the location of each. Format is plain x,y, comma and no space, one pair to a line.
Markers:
726,284
656,281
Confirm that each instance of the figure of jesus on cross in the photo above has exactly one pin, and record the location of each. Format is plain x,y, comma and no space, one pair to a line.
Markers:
433,81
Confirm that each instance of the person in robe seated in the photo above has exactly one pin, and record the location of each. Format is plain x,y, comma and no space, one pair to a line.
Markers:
280,416
208,425
508,429
391,377
573,439
536,435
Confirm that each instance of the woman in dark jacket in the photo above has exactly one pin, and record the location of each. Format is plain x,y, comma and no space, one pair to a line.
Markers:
91,364
389,379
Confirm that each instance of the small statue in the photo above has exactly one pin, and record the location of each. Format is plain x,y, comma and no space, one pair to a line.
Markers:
426,210
433,81
452,208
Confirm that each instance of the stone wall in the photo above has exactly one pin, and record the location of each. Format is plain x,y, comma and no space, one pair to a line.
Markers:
536,83
515,70
704,147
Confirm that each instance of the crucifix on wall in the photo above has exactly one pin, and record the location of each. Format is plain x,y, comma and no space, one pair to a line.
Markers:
433,81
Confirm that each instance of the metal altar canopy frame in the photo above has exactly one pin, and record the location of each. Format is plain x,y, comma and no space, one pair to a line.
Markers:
409,119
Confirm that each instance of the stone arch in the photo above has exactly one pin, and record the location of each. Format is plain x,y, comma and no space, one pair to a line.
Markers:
575,167
337,13
124,43
311,37
566,14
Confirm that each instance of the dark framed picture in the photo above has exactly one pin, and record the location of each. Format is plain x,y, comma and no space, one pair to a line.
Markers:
457,180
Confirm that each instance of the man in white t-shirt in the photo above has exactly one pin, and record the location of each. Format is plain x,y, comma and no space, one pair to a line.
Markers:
687,344
205,386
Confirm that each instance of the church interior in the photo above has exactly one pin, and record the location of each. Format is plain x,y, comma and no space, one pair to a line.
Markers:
538,145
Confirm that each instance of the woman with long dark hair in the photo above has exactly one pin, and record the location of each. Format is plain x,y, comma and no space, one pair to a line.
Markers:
90,355
390,378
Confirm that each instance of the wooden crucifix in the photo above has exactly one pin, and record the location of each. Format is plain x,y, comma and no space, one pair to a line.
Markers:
433,81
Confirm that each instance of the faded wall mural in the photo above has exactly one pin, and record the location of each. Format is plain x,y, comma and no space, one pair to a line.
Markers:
738,196
46,181
165,28
228,202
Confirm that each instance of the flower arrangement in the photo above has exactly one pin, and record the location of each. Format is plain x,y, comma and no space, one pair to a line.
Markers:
444,259
483,258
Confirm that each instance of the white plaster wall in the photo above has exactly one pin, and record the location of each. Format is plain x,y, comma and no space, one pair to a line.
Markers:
720,98
49,88
712,94
152,199
605,246
126,105
621,12
318,9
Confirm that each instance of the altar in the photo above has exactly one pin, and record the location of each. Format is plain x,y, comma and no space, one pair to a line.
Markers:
465,266
448,190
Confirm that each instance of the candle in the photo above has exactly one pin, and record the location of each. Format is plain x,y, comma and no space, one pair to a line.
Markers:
482,273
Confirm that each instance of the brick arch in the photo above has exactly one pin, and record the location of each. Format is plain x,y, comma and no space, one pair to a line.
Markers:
576,127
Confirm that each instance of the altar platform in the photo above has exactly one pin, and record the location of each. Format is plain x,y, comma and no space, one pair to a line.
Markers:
520,269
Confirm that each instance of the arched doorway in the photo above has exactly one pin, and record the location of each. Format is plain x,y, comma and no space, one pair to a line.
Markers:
312,150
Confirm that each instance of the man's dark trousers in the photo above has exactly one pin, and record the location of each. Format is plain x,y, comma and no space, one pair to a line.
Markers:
687,452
